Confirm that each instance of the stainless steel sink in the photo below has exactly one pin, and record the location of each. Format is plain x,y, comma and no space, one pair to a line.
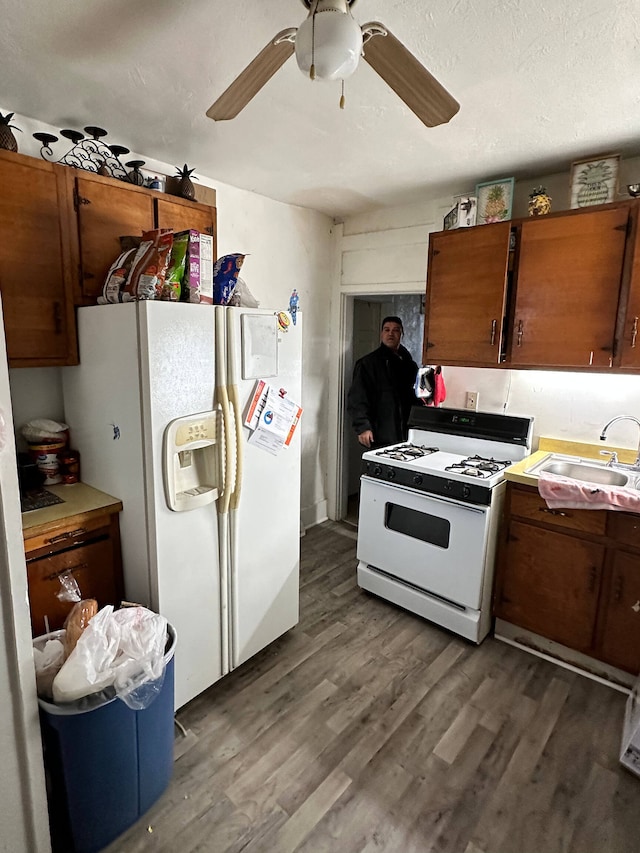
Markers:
587,471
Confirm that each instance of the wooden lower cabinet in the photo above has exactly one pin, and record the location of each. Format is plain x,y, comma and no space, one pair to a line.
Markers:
571,579
619,639
552,585
83,553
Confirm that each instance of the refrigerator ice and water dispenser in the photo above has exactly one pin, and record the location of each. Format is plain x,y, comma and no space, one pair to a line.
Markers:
191,461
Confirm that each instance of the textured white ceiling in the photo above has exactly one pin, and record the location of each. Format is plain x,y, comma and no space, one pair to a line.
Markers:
540,84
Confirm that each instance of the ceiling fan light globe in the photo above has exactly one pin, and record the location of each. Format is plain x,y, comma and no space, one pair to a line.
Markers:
334,44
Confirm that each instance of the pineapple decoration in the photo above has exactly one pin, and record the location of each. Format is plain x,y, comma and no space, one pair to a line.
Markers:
593,180
539,202
7,139
495,209
185,187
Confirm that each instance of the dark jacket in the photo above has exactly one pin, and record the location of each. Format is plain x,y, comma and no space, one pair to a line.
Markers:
381,394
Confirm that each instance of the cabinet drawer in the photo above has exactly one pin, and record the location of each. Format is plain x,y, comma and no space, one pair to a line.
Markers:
68,533
530,505
625,529
92,566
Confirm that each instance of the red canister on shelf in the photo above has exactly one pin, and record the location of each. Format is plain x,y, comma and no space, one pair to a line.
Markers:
70,466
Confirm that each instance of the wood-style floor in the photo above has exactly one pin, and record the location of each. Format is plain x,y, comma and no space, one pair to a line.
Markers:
366,729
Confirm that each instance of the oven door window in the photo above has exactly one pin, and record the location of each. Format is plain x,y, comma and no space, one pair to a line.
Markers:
418,525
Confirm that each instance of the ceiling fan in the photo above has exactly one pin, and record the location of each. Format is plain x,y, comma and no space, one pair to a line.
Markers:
328,46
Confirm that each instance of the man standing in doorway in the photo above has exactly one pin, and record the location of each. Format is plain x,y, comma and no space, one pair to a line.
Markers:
382,391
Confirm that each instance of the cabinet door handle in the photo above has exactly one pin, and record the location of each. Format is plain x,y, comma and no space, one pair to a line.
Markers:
66,535
57,317
520,332
618,588
634,332
593,576
553,511
494,324
78,199
209,229
68,571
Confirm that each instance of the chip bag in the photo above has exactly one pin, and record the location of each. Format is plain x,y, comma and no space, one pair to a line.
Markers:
225,277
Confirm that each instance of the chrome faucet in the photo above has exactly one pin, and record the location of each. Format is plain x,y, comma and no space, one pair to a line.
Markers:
603,434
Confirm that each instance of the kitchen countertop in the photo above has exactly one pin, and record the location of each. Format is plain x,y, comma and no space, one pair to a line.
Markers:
78,499
516,474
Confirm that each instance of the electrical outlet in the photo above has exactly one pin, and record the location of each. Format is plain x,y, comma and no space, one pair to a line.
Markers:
472,401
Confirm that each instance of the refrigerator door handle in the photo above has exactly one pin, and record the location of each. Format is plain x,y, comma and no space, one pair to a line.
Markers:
234,399
222,397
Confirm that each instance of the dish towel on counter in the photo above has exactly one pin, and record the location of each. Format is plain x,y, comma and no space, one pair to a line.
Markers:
565,493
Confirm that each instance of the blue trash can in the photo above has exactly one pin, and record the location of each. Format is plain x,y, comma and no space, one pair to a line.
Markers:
107,766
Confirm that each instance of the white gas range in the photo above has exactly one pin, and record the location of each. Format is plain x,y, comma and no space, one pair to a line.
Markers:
429,513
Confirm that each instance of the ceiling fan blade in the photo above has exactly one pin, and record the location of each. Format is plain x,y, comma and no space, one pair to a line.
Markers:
254,77
408,78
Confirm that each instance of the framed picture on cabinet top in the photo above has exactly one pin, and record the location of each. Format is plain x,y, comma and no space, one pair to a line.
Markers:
594,181
495,200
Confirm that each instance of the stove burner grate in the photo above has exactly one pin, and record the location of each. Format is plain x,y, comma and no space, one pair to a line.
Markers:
406,452
478,466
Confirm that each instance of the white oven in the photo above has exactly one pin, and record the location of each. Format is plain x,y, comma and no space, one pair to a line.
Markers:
429,515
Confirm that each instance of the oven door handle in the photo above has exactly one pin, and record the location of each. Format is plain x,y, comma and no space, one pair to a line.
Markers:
427,495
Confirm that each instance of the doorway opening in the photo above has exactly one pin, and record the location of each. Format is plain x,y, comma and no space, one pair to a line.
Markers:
367,313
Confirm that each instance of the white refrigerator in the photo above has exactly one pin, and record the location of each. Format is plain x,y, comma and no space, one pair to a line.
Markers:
156,408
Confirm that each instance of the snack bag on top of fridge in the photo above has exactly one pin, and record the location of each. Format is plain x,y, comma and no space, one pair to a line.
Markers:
197,283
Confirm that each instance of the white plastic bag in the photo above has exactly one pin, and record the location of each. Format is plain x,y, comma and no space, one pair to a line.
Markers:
89,667
48,661
139,667
123,650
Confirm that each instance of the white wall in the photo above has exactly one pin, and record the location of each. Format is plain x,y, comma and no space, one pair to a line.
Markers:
288,247
23,807
385,251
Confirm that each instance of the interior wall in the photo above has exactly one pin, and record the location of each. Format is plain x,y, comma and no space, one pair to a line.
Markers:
23,806
288,247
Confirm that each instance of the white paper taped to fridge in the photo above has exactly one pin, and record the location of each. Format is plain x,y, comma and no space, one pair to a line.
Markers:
273,417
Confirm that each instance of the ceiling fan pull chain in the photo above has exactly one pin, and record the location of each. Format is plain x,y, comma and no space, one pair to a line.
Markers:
342,97
312,69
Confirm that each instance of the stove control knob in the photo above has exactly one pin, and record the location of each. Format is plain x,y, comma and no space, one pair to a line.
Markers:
418,479
466,491
448,485
391,474
377,471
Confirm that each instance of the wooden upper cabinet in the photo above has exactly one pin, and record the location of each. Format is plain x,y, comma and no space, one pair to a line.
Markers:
37,255
629,322
569,273
106,211
466,295
181,216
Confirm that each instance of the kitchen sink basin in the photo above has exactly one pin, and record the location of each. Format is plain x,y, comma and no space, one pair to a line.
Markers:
587,473
583,470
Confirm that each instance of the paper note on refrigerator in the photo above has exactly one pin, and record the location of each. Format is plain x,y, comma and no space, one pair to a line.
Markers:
273,417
